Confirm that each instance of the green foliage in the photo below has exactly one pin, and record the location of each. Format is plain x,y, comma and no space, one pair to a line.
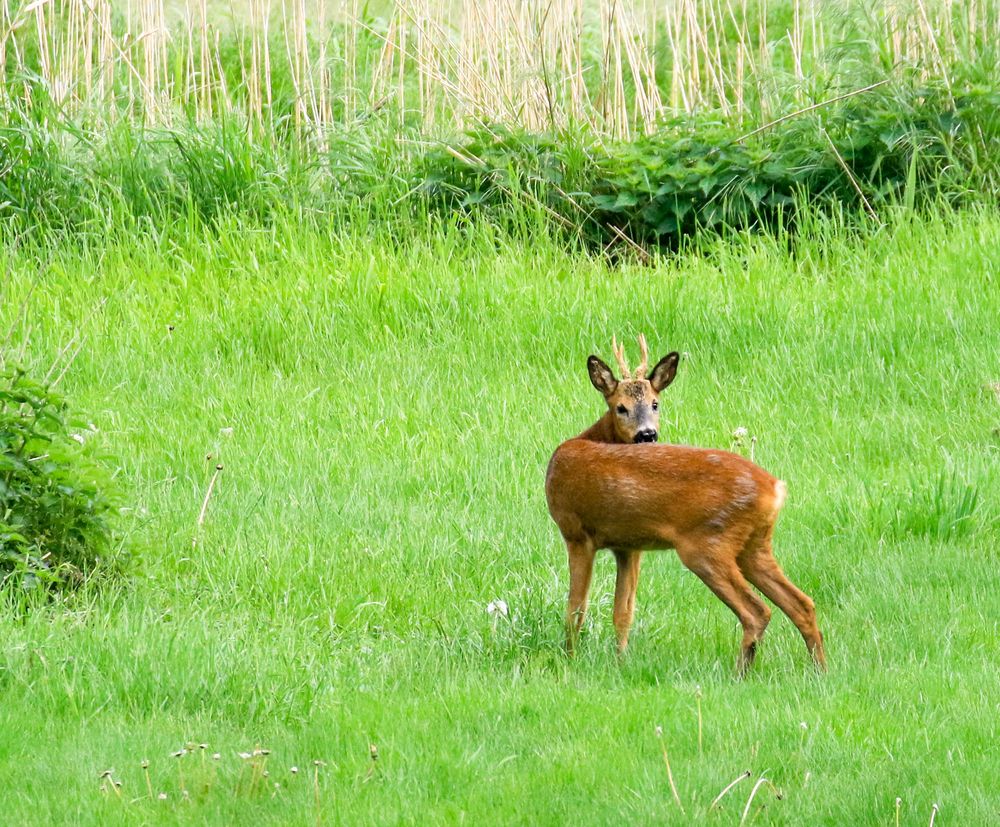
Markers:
895,147
59,178
38,183
696,175
56,502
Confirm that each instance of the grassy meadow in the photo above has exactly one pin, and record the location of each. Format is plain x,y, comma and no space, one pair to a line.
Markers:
319,281
384,413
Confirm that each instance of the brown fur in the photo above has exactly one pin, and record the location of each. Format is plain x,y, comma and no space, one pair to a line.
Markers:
715,508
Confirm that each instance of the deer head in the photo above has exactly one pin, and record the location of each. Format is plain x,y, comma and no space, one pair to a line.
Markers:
633,401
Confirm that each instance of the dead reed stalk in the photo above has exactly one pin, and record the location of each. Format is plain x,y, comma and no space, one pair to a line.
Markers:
616,67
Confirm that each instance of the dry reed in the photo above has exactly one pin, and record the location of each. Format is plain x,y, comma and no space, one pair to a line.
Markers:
617,67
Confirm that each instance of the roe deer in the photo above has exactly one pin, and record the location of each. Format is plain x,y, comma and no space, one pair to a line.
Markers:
715,508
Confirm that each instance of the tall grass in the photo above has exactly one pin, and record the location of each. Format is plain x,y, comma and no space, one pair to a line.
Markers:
143,116
615,67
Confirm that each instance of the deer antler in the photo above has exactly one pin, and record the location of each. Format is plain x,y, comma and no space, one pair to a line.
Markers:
620,357
640,372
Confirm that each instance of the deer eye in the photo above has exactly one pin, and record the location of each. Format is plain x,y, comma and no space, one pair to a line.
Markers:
622,410
656,405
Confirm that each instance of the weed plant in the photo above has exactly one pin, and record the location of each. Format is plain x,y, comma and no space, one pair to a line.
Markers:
56,502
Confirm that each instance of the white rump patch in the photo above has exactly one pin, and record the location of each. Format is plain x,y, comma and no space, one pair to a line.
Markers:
780,492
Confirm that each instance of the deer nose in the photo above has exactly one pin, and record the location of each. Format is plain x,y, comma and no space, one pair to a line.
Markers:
646,435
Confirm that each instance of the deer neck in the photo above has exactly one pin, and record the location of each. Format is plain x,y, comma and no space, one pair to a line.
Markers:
601,431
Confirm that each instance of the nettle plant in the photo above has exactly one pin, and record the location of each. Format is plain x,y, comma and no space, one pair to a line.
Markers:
56,500
906,146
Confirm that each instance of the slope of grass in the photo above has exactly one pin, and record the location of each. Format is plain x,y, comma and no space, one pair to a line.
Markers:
384,414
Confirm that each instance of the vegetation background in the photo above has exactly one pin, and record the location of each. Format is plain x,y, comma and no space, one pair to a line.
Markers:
319,282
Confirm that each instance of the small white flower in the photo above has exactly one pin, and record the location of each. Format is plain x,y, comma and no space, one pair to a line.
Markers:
804,725
497,606
226,431
740,433
77,438
162,796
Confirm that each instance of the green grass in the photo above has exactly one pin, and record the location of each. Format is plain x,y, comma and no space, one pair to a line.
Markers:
384,414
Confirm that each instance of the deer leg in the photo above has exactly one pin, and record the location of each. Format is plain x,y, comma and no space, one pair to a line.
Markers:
723,577
625,585
763,571
581,567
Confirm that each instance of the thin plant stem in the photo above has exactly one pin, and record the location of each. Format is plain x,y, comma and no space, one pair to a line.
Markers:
727,788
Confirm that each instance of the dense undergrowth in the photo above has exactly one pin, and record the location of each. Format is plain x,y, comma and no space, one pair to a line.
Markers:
871,151
838,107
875,149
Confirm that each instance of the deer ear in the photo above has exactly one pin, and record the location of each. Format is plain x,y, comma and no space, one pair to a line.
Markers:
665,371
601,376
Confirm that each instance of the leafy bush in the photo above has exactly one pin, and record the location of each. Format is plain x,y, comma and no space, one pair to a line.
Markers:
56,502
897,144
903,148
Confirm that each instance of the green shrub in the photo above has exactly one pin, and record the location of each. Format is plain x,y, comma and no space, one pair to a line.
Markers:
895,145
904,147
56,501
